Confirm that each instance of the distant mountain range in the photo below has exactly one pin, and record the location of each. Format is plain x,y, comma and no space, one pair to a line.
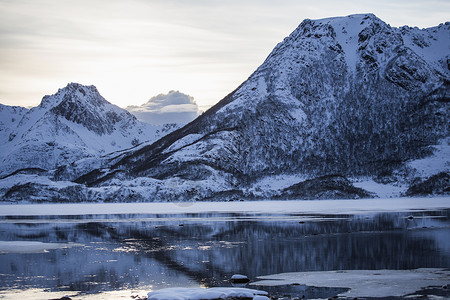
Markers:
340,102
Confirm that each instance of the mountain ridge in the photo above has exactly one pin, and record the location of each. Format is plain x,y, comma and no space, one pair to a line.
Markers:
74,123
346,97
298,109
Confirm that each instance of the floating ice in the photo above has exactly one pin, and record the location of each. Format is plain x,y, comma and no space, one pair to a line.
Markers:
364,283
30,246
205,294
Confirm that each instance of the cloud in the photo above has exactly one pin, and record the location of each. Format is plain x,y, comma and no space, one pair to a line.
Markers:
173,107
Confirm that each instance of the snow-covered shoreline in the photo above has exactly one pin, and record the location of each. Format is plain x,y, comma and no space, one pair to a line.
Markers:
360,206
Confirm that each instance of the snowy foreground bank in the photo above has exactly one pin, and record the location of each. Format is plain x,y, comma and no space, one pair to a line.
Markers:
360,283
357,283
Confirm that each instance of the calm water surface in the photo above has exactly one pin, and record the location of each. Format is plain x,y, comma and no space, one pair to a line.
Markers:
96,253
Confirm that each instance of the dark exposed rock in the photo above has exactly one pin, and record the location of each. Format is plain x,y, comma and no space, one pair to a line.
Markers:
89,110
438,184
325,187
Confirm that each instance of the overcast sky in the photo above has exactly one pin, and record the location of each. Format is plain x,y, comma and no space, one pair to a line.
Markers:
135,49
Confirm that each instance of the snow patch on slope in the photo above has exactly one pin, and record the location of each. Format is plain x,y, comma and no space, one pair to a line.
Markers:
431,44
381,190
434,164
272,185
347,30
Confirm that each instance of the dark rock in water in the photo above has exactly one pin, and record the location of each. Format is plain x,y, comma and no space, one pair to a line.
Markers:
237,278
325,187
438,184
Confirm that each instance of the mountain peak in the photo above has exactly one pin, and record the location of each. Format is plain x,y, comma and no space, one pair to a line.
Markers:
85,106
341,28
74,92
80,88
356,20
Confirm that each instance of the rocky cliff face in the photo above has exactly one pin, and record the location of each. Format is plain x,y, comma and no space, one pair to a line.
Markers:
348,96
75,123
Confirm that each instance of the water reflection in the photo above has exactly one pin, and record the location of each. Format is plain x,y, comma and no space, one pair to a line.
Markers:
130,251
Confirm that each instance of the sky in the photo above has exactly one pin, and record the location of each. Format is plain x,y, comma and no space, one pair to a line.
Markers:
135,49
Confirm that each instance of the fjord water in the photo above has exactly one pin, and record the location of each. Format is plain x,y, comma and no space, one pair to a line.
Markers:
94,252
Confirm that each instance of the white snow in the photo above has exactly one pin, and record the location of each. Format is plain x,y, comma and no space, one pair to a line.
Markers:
183,142
247,96
360,206
39,294
278,182
262,86
434,44
30,246
46,140
203,294
10,181
10,116
364,283
434,164
381,190
347,30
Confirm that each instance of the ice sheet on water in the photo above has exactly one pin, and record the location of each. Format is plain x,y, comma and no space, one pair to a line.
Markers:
30,246
204,294
361,206
364,283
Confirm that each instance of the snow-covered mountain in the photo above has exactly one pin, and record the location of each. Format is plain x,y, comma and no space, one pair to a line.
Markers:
10,116
75,123
346,97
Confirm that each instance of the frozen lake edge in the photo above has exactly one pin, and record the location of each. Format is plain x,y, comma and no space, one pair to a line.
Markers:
359,206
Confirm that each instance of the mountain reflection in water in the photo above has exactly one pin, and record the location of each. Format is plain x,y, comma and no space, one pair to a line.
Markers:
166,250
